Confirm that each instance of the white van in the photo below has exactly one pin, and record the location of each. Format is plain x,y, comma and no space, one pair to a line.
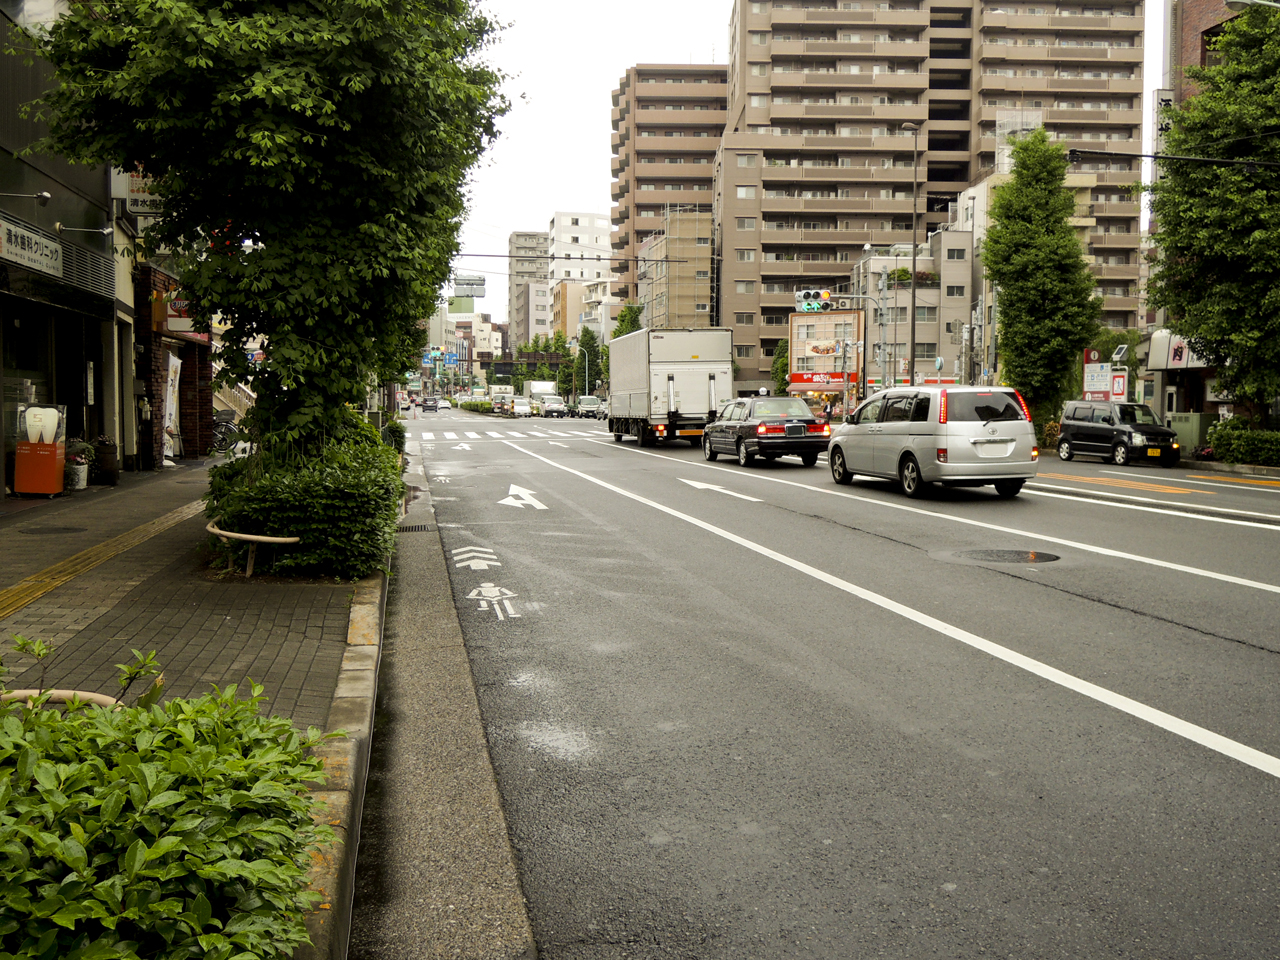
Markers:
956,436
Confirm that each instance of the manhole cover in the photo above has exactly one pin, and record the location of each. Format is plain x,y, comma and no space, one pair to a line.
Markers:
52,531
1008,556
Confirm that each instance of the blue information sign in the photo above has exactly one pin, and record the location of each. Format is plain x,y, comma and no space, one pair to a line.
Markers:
451,359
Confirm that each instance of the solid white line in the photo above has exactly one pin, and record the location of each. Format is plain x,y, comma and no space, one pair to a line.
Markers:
1043,537
1196,734
450,436
1041,490
1207,483
473,436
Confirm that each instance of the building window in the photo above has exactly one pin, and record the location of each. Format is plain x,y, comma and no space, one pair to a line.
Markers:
744,351
805,331
760,69
757,100
759,38
703,241
573,221
746,223
702,307
541,307
927,315
702,274
745,256
573,239
745,286
746,193
746,159
744,319
955,291
540,293
776,320
803,364
955,255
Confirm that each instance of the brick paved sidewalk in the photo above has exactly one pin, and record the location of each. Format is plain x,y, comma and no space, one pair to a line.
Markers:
290,637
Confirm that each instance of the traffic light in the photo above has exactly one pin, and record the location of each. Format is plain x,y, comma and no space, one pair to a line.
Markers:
813,301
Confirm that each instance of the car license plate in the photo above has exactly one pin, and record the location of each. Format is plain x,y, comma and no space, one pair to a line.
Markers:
1153,453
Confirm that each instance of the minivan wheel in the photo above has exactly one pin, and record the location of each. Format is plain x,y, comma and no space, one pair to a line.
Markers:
839,469
744,456
1064,450
707,452
1120,454
909,477
1008,489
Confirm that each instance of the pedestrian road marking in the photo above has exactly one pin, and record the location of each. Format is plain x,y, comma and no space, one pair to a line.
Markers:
34,587
450,436
583,433
1127,484
428,436
520,435
494,433
535,433
559,434
1134,708
555,443
473,436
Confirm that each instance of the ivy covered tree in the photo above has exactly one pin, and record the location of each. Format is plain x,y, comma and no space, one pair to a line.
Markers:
628,320
1217,226
781,369
312,160
1048,312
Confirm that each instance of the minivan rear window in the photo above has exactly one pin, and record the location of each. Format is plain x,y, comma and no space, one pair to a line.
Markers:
996,405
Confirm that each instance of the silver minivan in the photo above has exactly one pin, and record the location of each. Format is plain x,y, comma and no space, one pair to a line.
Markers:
957,436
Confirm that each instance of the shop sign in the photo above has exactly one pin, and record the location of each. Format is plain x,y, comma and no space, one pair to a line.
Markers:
822,348
29,249
820,378
135,189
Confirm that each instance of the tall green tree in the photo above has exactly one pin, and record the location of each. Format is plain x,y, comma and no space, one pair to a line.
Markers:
628,320
781,369
1217,233
312,160
587,366
1048,312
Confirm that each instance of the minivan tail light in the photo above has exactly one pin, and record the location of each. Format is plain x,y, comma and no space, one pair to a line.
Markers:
1023,404
1035,453
942,407
942,454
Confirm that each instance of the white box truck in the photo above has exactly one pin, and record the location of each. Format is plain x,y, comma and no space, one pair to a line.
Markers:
667,384
537,388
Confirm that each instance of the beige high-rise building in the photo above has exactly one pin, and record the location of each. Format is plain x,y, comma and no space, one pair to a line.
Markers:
674,276
836,109
667,121
566,307
526,263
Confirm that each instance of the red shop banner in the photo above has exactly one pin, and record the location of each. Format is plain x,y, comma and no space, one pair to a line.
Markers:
822,378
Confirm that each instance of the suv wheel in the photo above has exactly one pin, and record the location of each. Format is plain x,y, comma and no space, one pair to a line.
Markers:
1120,454
909,477
1064,450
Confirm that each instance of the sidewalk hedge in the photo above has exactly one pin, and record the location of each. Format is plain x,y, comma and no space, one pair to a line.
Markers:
477,406
1258,447
175,831
343,504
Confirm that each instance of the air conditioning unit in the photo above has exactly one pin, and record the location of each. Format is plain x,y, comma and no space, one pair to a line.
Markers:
844,305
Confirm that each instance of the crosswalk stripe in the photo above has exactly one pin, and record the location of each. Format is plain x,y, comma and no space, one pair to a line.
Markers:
473,436
535,433
559,434
582,433
494,433
428,436
518,436
450,436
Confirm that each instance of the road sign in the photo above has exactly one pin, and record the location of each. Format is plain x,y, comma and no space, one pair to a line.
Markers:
450,359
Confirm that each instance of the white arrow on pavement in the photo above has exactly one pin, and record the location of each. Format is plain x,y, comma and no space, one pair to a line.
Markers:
711,486
463,552
461,446
520,497
478,563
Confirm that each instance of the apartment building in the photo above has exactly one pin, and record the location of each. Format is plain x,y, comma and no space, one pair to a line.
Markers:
675,275
838,110
598,308
667,122
566,307
532,314
526,262
579,246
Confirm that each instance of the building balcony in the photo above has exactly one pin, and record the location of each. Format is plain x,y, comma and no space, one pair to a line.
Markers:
845,18
1114,241
1130,118
1119,303
679,118
619,189
850,81
681,91
805,268
1117,209
621,214
677,171
679,144
1120,271
897,49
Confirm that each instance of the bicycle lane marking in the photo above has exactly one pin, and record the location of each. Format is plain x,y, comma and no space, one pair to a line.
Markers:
1134,708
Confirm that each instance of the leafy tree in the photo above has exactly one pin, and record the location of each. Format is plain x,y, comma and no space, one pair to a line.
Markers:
312,160
543,372
1217,255
587,366
628,320
564,378
1048,312
781,369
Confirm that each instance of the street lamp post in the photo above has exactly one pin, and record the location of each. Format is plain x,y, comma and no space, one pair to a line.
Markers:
1237,5
915,193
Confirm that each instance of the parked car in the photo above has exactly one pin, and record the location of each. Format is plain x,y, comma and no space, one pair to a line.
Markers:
1118,432
554,407
521,407
587,407
957,436
769,427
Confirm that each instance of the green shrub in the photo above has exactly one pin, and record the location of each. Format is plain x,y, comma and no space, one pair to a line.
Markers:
163,832
1258,447
395,435
477,406
343,504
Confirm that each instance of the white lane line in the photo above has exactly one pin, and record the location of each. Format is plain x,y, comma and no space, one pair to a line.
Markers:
473,436
1205,483
1043,537
511,433
493,433
1042,488
450,436
1190,731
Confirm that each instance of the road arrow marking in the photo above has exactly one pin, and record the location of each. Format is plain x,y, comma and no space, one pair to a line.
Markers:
478,563
711,486
461,446
520,496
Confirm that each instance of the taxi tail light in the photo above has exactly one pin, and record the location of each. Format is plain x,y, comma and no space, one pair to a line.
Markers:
942,454
1023,404
942,407
823,429
765,429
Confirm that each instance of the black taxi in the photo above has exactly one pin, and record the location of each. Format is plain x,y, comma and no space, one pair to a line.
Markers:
768,427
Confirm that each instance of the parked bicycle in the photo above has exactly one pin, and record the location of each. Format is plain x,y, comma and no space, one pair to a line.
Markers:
224,430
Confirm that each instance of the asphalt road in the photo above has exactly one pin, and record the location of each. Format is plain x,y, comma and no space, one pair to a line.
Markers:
748,713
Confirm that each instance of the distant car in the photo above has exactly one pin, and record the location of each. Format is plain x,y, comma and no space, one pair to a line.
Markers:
501,402
769,427
521,407
554,407
603,412
405,404
1119,432
957,436
722,406
429,403
443,404
588,407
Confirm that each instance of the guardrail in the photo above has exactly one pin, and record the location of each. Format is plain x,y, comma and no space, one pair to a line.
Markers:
252,539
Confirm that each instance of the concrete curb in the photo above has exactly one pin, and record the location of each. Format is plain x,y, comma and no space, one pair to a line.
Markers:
1246,469
346,761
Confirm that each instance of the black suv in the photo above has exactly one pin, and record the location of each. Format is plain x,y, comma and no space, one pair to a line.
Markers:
1119,432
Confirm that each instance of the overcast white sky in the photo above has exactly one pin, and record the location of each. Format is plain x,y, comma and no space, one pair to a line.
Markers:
565,58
